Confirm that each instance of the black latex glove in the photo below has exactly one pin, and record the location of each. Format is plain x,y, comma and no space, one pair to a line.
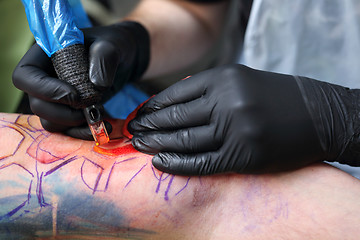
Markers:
118,54
237,119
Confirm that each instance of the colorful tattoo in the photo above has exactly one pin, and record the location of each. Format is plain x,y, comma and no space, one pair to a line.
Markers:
33,190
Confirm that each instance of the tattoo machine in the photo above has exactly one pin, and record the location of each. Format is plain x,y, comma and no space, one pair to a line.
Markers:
55,25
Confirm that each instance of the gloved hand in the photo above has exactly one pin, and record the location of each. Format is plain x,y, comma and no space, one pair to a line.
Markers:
118,54
237,119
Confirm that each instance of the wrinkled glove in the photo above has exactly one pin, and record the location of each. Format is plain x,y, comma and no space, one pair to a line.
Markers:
237,119
118,54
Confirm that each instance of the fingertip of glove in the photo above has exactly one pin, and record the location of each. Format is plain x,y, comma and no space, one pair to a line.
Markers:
138,143
142,145
132,127
139,125
100,81
161,162
147,108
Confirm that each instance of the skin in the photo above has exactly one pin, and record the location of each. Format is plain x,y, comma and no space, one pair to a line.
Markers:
191,30
55,186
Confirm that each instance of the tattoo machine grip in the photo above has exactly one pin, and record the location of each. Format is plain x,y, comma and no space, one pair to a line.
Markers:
72,66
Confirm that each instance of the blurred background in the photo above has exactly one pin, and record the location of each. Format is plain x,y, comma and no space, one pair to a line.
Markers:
16,39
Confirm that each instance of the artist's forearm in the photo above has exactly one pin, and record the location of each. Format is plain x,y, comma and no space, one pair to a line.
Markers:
181,32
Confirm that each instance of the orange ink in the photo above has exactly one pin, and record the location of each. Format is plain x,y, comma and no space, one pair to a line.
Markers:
112,148
116,147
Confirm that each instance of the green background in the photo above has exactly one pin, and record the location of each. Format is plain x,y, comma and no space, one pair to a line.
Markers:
15,40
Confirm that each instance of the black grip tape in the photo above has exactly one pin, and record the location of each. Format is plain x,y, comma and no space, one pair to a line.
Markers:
71,65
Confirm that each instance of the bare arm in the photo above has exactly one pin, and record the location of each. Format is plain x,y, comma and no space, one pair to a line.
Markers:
180,31
52,185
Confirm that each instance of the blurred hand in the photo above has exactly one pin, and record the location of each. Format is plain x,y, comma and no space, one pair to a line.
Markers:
118,54
237,119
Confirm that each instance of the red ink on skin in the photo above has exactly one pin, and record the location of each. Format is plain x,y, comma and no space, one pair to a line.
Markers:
112,148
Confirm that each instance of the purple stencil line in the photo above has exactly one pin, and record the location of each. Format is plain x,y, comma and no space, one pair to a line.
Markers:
14,219
26,130
21,167
30,125
12,212
60,165
9,122
97,178
48,152
166,177
128,159
19,144
39,192
97,165
27,120
43,203
6,122
17,118
136,174
153,170
108,179
166,195
29,192
159,183
36,168
39,148
187,182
